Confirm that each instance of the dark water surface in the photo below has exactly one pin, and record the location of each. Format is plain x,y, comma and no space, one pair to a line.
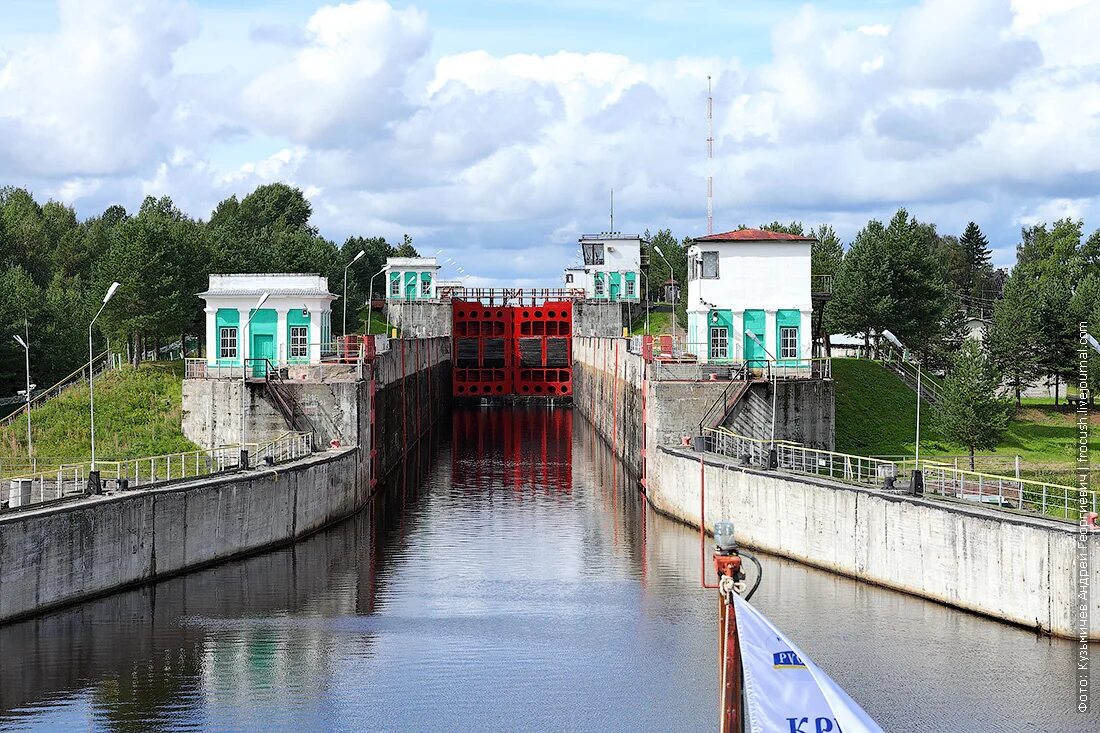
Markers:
512,580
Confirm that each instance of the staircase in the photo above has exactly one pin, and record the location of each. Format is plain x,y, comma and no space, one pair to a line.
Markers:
283,399
717,413
906,369
100,364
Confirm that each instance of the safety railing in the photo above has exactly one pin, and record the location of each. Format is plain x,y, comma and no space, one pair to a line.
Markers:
816,368
100,364
1057,500
71,480
899,362
289,446
799,458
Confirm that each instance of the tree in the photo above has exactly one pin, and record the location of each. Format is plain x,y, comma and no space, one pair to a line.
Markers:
827,252
862,301
1012,339
970,410
978,260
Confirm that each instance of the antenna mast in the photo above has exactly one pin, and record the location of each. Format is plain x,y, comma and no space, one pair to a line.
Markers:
612,211
710,159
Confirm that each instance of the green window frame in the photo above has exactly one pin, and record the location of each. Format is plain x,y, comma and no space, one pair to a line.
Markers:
788,326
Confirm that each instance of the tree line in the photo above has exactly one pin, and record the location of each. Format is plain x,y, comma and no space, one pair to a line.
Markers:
55,269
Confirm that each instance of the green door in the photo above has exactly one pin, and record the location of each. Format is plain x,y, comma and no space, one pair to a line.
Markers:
754,352
616,286
263,347
410,285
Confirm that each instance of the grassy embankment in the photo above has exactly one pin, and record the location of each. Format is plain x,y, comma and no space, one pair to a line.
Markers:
659,322
876,413
137,413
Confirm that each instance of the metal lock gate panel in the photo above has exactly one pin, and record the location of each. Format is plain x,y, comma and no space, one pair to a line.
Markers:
512,350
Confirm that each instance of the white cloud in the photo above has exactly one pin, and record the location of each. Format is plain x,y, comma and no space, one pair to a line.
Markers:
954,110
346,80
96,99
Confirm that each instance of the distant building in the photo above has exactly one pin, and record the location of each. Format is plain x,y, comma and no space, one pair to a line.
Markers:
750,281
975,328
670,291
411,278
612,267
291,327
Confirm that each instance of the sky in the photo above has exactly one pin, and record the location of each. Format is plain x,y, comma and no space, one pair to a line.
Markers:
494,131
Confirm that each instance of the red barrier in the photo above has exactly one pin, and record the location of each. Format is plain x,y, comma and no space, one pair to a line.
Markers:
512,350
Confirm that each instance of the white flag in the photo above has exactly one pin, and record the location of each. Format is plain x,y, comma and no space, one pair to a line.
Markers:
785,691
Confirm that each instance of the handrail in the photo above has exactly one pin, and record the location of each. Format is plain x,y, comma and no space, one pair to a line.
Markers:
57,388
723,405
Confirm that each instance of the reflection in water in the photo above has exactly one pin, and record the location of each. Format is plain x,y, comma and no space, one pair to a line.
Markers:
511,579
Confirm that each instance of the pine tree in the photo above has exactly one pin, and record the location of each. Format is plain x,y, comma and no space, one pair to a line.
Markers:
827,252
862,301
978,261
1012,340
970,411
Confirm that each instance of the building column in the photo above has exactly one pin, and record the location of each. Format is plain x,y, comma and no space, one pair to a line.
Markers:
314,336
282,338
737,335
806,336
242,336
769,339
211,336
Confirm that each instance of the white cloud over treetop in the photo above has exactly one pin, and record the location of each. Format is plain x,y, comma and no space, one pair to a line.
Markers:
954,110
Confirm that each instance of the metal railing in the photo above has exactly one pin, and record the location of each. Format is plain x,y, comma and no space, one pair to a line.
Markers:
1056,500
821,284
337,358
899,362
799,458
100,364
71,480
816,368
506,296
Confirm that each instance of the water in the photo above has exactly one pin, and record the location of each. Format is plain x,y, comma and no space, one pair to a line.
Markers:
512,580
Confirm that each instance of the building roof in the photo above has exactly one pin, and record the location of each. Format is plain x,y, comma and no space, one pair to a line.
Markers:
754,235
276,283
609,237
407,262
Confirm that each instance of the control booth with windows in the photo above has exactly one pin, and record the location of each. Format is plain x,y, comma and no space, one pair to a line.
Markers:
612,267
749,298
294,325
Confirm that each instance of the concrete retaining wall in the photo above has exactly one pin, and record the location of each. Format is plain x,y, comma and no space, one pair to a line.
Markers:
593,318
56,555
420,319
51,556
1017,569
804,411
1014,568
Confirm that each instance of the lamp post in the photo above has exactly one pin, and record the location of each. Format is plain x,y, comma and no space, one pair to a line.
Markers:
244,373
93,474
917,487
370,298
26,347
773,454
672,276
646,276
344,325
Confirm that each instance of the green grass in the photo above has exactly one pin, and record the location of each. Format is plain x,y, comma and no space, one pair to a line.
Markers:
659,322
137,411
876,414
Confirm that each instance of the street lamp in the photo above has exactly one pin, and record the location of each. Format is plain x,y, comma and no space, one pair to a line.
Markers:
1092,342
370,298
672,276
344,326
918,477
27,349
645,274
93,474
773,455
244,372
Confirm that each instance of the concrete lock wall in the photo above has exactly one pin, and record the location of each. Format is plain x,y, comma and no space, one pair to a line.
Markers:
60,554
420,318
1017,569
804,412
1014,568
595,318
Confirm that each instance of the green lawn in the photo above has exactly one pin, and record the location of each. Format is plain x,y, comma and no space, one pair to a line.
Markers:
876,414
659,322
138,413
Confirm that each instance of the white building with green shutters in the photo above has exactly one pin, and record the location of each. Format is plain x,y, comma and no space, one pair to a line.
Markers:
612,267
294,325
411,278
750,281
